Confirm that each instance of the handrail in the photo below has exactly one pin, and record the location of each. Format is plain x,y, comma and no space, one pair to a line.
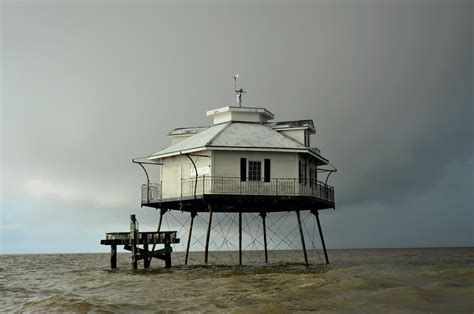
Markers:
141,163
262,181
147,179
234,186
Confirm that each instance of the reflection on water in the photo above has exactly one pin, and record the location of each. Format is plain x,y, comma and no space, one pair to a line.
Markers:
415,280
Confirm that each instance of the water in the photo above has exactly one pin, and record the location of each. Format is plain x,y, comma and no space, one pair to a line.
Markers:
389,280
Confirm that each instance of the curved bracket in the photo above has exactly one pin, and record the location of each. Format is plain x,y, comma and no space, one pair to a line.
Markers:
195,169
330,172
147,179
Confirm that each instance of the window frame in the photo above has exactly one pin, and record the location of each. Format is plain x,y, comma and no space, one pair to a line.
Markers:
255,178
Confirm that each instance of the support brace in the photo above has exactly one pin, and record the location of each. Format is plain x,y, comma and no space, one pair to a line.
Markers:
240,238
193,214
316,213
264,215
158,229
206,252
302,237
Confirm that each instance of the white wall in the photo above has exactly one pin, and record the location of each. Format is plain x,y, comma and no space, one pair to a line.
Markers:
311,164
222,117
238,116
180,167
227,163
297,135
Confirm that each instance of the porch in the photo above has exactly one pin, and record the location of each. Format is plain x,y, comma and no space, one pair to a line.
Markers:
201,186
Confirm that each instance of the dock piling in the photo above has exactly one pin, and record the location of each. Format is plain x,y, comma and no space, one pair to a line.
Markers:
134,240
113,256
168,251
146,261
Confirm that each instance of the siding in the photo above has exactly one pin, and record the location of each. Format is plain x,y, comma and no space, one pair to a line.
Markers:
297,135
310,165
177,167
227,163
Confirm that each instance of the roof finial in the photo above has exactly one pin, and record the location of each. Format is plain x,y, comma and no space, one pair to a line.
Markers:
238,91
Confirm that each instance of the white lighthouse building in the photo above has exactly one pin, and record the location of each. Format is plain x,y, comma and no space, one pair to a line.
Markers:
243,153
243,162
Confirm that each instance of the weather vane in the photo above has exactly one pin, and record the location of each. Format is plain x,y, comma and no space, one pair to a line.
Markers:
238,91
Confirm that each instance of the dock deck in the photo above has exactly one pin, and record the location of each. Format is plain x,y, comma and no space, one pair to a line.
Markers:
131,240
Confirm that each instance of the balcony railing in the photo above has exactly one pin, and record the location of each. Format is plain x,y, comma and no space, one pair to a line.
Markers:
234,186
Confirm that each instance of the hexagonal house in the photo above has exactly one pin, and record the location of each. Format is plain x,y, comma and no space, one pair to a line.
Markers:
243,162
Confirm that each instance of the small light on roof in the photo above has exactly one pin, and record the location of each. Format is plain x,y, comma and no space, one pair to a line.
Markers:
238,91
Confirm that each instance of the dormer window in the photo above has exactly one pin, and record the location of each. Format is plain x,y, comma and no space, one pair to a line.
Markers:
300,131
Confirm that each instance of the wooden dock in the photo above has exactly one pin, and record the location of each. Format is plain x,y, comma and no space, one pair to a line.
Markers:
133,239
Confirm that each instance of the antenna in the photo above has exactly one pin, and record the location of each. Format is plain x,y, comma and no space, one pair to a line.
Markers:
238,91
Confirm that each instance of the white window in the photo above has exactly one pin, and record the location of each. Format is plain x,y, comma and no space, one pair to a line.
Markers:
255,170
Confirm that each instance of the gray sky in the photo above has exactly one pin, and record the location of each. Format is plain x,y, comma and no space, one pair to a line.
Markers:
88,85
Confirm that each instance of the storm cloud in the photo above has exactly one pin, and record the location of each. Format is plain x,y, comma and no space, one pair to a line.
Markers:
86,86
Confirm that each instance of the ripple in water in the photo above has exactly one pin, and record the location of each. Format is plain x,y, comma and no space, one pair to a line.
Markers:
419,280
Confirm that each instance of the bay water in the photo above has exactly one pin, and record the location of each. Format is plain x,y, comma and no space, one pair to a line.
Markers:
434,280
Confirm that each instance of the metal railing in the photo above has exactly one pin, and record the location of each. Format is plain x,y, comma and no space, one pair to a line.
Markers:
234,186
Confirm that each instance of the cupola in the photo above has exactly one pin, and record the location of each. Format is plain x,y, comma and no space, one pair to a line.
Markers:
240,114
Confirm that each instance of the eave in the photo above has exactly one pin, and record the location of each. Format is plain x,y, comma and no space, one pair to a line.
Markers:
241,148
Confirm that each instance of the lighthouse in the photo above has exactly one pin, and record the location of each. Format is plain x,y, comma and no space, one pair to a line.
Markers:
244,161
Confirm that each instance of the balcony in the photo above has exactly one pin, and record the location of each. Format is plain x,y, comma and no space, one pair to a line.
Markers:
210,185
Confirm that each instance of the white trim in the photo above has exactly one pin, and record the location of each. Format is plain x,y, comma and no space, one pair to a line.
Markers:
240,109
291,129
252,149
182,135
187,151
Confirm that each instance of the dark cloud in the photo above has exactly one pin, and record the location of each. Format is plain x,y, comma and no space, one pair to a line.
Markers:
87,86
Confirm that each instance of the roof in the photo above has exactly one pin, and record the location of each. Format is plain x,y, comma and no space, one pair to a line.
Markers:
241,134
235,135
198,140
187,131
296,124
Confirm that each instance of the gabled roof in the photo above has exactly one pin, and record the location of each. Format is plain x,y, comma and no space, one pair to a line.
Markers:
235,135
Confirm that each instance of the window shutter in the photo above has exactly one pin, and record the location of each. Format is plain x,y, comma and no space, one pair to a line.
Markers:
304,175
243,169
299,171
266,169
